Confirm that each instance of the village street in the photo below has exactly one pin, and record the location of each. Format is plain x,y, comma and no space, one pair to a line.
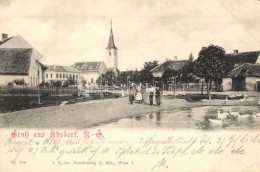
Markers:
88,114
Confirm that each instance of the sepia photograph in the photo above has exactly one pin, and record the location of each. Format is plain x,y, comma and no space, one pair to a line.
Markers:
129,85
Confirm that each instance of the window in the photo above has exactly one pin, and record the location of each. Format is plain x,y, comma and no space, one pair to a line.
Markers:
46,75
91,80
57,75
70,75
73,76
109,53
51,75
60,76
66,75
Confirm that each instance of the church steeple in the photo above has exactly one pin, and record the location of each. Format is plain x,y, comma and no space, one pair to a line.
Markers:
111,43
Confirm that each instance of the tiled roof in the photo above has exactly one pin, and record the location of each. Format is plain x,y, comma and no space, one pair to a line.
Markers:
15,61
236,59
88,66
176,65
58,68
245,70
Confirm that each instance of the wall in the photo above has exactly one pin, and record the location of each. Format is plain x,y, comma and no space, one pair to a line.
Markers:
33,71
5,79
157,74
250,83
227,84
88,76
62,76
112,60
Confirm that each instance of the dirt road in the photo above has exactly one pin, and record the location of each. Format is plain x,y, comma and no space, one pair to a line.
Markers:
84,115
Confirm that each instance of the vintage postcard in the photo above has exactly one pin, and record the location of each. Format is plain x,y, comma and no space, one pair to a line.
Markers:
129,85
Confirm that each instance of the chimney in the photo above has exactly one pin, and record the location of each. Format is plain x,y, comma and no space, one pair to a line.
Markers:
4,36
235,51
175,57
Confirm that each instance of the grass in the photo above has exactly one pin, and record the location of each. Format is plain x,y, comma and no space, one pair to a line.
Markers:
15,103
196,97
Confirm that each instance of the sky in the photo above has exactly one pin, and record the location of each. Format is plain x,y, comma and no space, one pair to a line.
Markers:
67,31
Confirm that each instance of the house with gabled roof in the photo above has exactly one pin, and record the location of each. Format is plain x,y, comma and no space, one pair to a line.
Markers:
20,60
168,64
62,73
245,77
243,70
90,70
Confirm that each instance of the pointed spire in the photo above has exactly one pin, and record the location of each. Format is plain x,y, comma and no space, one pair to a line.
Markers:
111,43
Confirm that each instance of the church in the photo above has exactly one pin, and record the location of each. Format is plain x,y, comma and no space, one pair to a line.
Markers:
91,70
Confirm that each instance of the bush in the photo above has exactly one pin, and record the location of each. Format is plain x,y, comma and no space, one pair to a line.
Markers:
45,84
10,84
19,81
56,83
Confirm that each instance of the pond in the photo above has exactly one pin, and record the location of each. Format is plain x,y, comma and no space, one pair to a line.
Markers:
195,118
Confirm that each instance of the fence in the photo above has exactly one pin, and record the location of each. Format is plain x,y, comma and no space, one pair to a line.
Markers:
53,91
184,88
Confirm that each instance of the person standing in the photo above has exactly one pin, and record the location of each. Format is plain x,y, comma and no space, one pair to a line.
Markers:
151,94
131,95
158,96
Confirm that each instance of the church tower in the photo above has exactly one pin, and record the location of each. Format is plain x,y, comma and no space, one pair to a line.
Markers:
111,52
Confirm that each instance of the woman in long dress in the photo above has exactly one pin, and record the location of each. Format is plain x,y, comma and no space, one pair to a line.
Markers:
138,96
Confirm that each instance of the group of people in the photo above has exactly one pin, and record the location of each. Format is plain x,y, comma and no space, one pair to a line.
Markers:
146,95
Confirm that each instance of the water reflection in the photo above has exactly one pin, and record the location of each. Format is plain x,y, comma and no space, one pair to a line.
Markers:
201,118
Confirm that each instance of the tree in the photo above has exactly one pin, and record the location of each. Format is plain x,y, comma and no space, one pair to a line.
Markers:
168,73
146,75
150,65
211,64
122,77
109,77
187,70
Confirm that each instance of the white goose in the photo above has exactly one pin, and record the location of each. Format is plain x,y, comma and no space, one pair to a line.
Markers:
251,115
222,115
233,114
255,115
244,98
216,121
226,100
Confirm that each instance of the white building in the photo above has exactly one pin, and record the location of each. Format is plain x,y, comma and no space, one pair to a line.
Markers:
62,73
19,60
90,70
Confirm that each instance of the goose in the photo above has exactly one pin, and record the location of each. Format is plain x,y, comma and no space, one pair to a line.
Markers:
233,114
251,115
215,121
244,98
255,115
222,115
226,100
232,96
